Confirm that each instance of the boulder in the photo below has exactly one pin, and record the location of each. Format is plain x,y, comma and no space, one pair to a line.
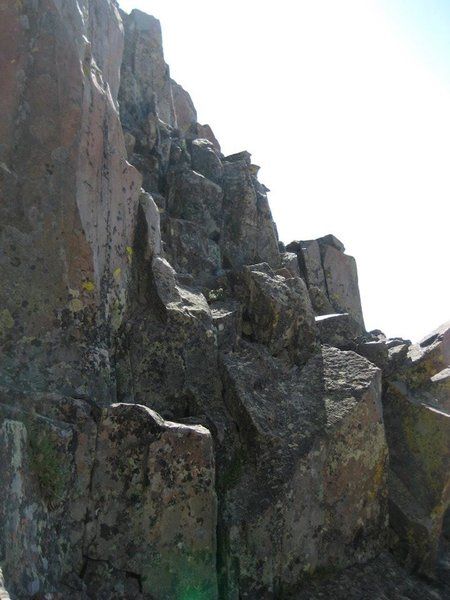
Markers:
248,232
206,160
305,489
278,313
331,276
153,506
339,330
341,281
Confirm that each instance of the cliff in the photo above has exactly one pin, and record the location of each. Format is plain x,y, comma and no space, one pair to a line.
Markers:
188,408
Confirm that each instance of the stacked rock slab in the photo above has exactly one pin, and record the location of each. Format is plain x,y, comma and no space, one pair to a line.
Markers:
180,414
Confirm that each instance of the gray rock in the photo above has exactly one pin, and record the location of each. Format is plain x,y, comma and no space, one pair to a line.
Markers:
339,330
153,507
248,233
206,160
342,282
306,487
279,313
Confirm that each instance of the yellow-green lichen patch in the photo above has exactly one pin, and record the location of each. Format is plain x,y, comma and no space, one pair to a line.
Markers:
129,254
88,286
117,274
75,305
6,321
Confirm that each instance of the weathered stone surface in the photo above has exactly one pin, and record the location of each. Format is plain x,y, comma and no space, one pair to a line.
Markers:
47,464
341,281
248,232
185,113
429,356
331,276
278,313
104,502
306,488
69,198
289,261
381,578
340,330
417,416
193,197
3,591
227,319
145,79
177,375
419,446
153,503
377,352
206,160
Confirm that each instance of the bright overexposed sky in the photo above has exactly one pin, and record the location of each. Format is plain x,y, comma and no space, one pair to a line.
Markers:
345,105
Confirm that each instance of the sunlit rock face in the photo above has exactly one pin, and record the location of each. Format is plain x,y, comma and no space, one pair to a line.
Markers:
68,195
188,409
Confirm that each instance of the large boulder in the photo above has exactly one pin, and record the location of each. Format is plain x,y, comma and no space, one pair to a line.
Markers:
248,232
278,312
331,276
305,488
153,505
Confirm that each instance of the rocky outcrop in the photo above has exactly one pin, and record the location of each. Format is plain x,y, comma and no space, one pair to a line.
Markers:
331,276
418,430
68,196
153,505
187,407
306,487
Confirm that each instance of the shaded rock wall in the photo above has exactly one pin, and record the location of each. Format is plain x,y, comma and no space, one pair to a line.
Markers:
187,407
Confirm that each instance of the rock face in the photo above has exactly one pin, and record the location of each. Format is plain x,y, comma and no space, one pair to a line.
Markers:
185,410
417,418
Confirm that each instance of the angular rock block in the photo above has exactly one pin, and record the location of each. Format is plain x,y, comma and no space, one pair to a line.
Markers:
339,330
45,476
279,313
342,282
331,276
206,160
430,356
248,231
419,446
306,488
177,374
153,505
416,408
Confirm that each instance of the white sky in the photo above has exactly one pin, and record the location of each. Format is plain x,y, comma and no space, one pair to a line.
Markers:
346,106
